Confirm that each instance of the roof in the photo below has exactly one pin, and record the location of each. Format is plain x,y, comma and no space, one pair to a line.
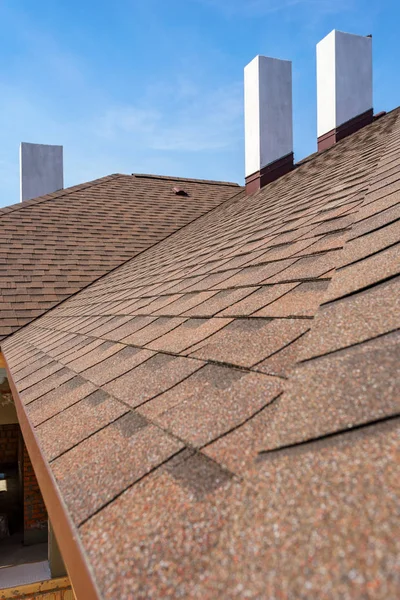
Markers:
54,245
219,417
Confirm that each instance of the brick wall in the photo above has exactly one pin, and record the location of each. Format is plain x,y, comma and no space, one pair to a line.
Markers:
9,443
35,514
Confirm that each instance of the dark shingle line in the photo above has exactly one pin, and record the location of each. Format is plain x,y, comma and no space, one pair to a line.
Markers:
91,434
185,317
309,444
376,228
167,353
344,349
251,317
358,260
137,480
187,446
238,425
282,348
359,290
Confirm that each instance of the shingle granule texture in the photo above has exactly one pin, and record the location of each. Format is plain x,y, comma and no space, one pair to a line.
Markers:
221,413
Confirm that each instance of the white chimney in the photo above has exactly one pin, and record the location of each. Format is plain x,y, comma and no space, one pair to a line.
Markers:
268,121
344,86
41,170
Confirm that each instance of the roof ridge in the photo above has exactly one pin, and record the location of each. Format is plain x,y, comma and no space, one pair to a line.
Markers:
57,194
391,129
5,210
188,179
377,117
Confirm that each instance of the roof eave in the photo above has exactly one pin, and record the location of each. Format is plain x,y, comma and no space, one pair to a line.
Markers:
81,578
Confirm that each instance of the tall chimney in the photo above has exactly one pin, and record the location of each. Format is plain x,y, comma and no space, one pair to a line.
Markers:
268,121
41,170
344,86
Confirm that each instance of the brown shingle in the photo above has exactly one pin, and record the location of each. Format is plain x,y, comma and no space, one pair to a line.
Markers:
59,399
337,392
74,424
261,297
184,303
361,247
153,331
219,547
135,324
66,240
211,402
46,385
281,362
246,342
105,464
187,334
116,365
354,319
364,273
307,268
95,356
302,301
162,520
218,302
255,275
154,376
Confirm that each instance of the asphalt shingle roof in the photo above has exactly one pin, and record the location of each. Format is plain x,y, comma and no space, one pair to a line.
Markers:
221,413
53,246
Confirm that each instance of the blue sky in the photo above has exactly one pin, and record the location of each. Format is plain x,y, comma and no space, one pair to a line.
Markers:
155,86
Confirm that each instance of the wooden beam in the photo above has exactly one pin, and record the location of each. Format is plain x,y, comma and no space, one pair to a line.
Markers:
59,588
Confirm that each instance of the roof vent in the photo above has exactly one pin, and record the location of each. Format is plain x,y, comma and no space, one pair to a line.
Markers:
268,121
41,170
344,86
179,191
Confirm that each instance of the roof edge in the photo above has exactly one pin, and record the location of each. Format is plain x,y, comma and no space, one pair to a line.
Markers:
81,578
187,179
5,210
81,186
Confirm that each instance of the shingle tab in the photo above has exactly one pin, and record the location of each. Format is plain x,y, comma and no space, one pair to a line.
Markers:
245,342
152,377
108,462
211,402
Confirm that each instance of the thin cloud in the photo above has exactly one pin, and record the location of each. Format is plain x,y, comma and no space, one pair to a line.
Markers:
206,120
256,8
